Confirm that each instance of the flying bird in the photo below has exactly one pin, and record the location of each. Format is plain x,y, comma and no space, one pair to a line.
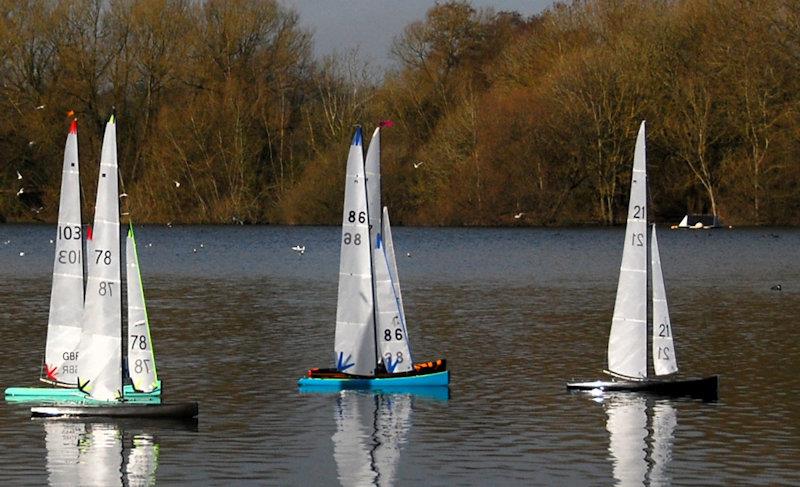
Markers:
518,215
300,249
177,184
40,107
417,164
19,176
21,190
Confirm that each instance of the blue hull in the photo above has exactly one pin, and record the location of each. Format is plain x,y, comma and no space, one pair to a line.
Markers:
436,379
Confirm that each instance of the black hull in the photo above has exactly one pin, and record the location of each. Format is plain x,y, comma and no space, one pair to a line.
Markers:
183,410
706,388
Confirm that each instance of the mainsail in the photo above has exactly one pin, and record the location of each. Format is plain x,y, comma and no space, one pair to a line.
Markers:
141,357
627,343
99,361
664,359
354,342
66,296
392,334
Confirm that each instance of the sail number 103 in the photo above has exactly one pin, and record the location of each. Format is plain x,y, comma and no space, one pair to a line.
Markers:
69,232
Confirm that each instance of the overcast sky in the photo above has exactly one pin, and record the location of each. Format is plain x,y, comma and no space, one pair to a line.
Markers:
371,25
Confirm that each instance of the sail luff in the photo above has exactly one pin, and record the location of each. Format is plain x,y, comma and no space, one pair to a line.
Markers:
392,333
99,360
372,171
664,359
141,355
354,342
66,296
627,342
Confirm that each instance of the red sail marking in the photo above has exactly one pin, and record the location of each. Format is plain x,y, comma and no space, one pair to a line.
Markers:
386,123
88,232
50,373
73,128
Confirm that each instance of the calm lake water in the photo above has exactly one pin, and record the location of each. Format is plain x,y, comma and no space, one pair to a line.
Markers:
517,313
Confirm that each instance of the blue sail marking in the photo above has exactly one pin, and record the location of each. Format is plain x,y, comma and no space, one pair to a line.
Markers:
357,137
342,364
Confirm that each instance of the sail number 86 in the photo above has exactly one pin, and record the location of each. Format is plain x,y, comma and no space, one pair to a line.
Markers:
398,334
362,217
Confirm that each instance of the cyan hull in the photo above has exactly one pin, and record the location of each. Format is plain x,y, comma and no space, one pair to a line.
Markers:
436,379
59,394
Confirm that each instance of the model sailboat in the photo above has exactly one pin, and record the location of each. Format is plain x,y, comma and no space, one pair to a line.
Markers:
371,346
627,343
66,317
100,368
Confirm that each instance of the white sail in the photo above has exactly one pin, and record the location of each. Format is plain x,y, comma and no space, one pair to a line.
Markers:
627,343
141,356
99,361
392,332
66,296
390,257
664,359
627,433
354,342
372,170
665,419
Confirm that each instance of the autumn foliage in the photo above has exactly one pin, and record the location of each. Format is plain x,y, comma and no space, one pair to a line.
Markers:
225,115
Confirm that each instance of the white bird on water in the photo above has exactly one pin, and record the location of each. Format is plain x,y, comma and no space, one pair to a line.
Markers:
518,215
300,249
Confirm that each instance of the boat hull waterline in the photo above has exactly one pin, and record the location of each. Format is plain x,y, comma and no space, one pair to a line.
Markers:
705,387
57,394
425,374
118,410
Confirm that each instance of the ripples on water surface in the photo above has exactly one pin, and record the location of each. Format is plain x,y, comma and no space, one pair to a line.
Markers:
517,312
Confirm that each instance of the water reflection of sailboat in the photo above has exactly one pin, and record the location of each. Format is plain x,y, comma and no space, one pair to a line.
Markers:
641,433
371,430
98,454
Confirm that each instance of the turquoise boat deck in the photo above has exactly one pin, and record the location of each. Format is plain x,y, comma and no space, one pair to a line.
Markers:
59,394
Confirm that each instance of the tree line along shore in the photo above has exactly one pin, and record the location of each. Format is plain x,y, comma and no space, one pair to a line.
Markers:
225,115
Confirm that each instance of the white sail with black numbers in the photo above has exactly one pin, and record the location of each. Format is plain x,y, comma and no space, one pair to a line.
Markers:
99,360
392,333
354,342
664,360
141,357
66,296
627,343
